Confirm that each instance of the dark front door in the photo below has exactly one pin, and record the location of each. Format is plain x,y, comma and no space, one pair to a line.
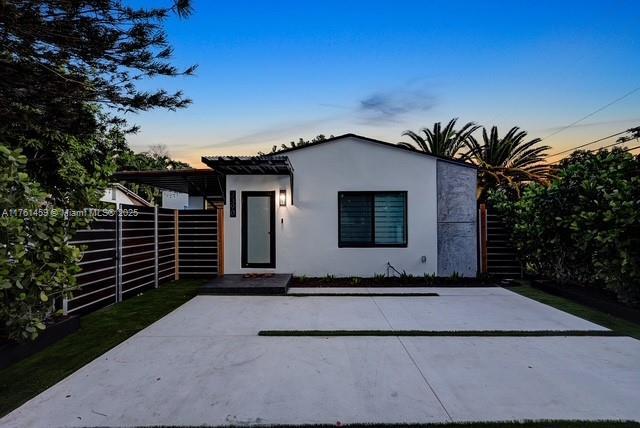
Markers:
258,229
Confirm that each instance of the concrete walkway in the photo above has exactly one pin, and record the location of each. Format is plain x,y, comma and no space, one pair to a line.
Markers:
204,365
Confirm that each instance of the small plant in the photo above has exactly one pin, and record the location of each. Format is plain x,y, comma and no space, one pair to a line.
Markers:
356,280
406,277
328,278
379,277
429,279
302,279
455,277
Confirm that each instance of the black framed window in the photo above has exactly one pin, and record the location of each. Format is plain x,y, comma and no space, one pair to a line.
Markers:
372,219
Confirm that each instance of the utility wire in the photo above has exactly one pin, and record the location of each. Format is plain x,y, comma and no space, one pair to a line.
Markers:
564,128
588,144
622,141
610,145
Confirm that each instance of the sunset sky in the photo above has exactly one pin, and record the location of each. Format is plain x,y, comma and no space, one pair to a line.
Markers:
271,72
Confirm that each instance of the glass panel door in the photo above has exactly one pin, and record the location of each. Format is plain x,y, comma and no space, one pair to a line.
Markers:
258,229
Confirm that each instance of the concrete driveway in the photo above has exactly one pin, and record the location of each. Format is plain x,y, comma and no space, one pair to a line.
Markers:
204,364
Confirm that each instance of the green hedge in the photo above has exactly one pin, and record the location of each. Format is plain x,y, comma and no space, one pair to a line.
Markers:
37,263
584,227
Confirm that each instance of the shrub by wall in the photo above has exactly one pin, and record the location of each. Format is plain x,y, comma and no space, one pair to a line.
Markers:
36,262
584,227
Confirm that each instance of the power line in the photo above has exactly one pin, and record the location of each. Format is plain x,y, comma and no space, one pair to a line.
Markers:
610,145
593,113
589,143
621,141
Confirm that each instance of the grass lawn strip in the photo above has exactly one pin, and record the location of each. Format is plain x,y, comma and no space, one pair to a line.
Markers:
432,333
99,331
364,294
622,327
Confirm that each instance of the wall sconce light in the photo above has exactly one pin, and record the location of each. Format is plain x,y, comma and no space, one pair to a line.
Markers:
283,197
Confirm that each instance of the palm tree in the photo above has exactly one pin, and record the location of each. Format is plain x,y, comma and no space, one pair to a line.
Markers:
440,141
301,142
509,160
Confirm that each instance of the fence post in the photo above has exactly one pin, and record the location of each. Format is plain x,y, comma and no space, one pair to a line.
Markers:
483,238
220,230
119,224
155,244
176,223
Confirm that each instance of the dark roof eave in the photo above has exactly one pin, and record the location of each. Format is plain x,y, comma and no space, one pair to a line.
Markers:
165,173
249,165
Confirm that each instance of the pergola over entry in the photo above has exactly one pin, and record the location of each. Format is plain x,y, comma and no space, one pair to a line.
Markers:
210,183
251,165
196,182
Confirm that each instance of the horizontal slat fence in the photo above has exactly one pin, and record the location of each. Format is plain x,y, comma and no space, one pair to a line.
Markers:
198,243
166,245
140,248
499,254
97,280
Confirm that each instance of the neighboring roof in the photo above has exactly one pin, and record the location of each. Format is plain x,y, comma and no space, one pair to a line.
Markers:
253,165
131,194
373,140
194,181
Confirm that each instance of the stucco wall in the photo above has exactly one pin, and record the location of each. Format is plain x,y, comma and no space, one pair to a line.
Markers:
307,232
174,200
181,201
457,220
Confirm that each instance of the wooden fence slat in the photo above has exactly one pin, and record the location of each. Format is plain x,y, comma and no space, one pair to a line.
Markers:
483,238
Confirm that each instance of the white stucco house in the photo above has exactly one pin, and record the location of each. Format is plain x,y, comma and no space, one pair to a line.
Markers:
350,205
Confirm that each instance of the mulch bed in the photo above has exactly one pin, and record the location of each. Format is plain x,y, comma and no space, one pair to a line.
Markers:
417,281
11,352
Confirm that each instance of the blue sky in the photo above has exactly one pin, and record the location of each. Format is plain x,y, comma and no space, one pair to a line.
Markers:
270,72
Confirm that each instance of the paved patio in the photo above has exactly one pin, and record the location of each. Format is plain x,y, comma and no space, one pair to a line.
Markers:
204,364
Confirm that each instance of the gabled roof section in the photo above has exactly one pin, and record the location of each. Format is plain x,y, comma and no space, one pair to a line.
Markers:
249,165
371,140
131,194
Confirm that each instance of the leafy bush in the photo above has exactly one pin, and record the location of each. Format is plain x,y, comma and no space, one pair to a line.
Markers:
585,226
37,263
